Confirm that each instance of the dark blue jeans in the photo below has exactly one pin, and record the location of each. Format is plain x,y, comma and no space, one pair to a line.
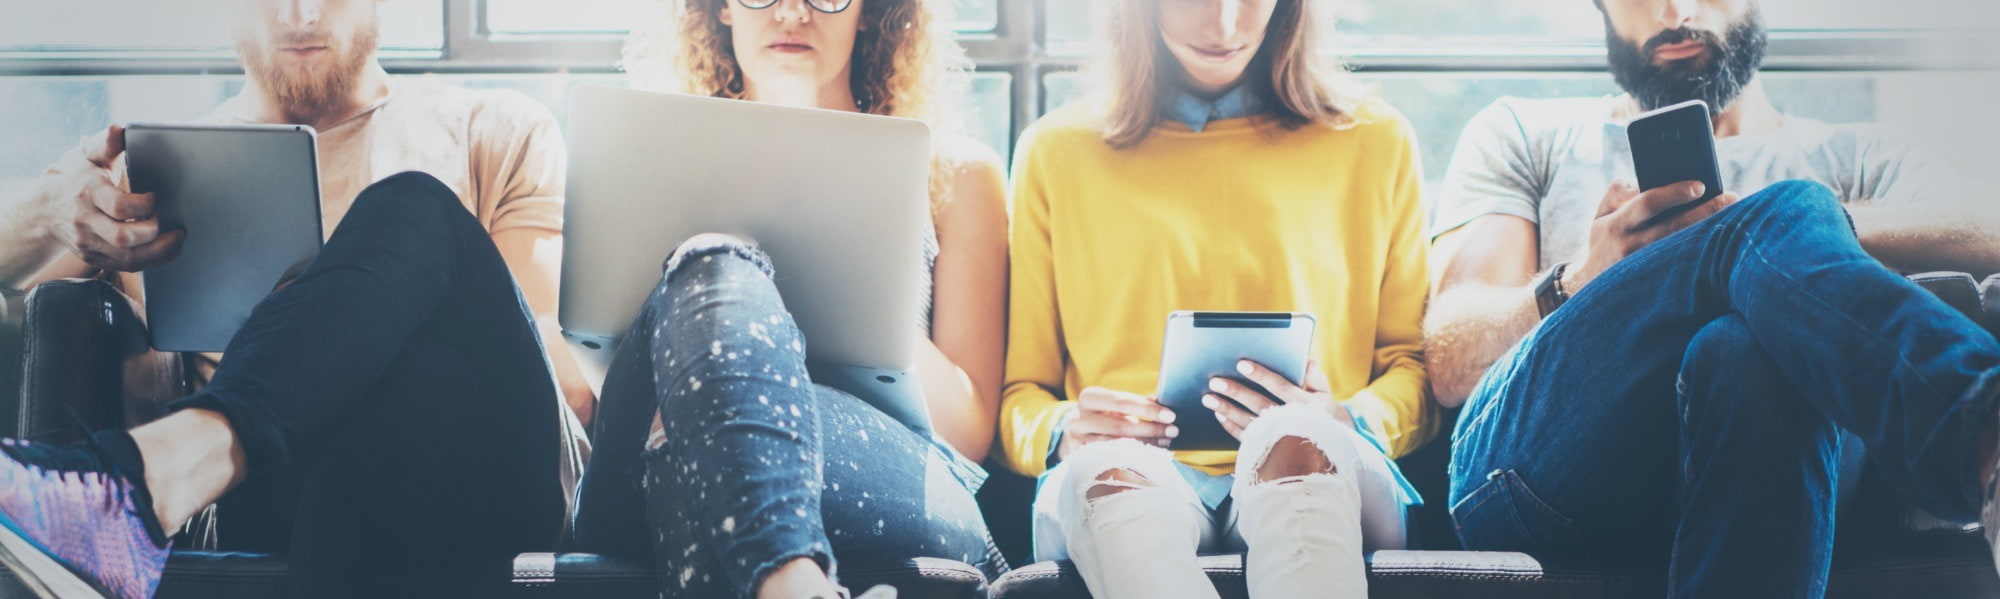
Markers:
399,416
760,466
1688,407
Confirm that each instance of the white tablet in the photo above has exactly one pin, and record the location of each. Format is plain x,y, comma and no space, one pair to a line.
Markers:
248,196
1204,345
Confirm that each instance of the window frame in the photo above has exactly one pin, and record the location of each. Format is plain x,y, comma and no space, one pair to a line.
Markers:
1013,46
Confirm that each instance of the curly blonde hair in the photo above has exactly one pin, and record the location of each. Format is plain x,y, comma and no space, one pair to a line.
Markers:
907,62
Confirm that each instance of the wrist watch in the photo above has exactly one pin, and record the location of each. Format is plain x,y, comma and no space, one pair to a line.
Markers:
1549,293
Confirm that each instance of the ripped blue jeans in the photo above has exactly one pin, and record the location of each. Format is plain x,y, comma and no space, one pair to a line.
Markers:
759,466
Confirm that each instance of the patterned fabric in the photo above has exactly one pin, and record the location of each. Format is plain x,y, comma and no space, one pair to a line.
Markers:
759,465
73,507
926,289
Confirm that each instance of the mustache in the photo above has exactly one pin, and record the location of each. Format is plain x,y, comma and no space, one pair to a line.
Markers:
293,39
1683,34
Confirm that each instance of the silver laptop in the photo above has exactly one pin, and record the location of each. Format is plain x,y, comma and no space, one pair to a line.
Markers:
836,199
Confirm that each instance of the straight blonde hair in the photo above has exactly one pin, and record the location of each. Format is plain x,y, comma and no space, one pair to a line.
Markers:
1292,72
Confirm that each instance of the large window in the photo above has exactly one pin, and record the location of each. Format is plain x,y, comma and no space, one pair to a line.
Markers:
157,29
66,70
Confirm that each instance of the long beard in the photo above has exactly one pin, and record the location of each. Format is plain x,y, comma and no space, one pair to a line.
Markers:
309,89
1717,78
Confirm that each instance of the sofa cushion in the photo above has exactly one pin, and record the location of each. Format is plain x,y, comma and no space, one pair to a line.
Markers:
585,575
1390,574
1948,570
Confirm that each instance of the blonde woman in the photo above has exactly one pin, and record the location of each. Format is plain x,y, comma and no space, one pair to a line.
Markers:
1226,168
754,479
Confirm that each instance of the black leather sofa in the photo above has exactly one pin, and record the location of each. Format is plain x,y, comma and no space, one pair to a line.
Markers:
84,354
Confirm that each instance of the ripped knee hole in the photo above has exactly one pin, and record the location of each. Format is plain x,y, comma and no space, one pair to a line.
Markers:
1291,459
1115,481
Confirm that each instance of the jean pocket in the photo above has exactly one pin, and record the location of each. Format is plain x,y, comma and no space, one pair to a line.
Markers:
1503,514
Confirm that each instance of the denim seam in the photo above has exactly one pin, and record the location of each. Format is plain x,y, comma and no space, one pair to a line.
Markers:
1540,504
1968,478
1483,488
1902,358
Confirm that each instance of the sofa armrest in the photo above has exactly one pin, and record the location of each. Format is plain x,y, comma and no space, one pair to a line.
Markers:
10,360
85,361
1957,289
1990,304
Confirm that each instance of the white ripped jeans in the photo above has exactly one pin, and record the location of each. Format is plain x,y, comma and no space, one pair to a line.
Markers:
1304,535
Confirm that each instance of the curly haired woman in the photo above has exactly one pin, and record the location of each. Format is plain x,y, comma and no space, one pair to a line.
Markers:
753,477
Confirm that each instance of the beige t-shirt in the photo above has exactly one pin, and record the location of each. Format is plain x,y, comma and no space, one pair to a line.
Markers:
499,150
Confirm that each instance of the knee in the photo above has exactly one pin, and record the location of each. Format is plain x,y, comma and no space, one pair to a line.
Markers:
1796,200
706,267
1724,341
1289,442
1106,469
1115,481
1291,458
709,248
1722,354
1727,374
409,196
1802,190
407,191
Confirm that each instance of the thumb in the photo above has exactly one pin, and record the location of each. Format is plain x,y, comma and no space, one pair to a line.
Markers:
106,148
1315,377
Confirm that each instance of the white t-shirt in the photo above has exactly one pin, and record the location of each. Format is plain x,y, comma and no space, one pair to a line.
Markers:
1550,161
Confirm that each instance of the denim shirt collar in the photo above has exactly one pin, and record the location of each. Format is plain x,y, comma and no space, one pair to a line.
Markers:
1196,112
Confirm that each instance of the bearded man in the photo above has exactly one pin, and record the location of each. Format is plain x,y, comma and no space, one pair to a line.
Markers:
1692,392
389,418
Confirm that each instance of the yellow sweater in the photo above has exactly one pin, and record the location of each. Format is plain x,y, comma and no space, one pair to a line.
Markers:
1242,216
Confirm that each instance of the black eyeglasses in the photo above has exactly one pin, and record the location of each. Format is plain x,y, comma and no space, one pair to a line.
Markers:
825,6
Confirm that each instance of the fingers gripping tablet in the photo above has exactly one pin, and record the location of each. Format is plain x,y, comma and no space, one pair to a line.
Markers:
1204,345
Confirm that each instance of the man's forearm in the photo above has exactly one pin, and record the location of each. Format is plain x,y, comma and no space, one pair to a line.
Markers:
1930,236
1467,328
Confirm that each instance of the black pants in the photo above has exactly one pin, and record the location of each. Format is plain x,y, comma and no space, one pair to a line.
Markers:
399,416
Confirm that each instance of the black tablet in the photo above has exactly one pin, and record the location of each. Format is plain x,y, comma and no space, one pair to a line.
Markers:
1204,345
248,196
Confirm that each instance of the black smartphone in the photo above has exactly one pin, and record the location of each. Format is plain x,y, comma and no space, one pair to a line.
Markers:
1675,144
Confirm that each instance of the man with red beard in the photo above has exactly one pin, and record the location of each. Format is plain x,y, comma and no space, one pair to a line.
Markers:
1691,392
389,418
